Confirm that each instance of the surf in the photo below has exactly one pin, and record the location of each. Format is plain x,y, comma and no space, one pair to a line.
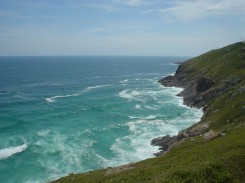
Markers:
10,151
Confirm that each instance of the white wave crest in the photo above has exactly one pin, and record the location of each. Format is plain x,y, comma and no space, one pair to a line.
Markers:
52,99
150,107
131,95
137,106
95,87
152,117
124,81
133,117
7,152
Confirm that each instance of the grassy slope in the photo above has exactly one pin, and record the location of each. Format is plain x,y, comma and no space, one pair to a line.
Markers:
218,160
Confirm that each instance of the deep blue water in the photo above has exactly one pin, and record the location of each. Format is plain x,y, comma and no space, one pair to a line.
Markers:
74,114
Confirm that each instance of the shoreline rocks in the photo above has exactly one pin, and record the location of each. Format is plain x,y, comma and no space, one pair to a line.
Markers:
167,142
198,91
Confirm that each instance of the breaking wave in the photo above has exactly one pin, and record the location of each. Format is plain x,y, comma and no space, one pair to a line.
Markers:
7,152
52,99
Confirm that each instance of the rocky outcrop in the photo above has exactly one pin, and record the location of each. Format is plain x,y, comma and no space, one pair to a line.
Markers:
166,143
203,84
113,170
210,135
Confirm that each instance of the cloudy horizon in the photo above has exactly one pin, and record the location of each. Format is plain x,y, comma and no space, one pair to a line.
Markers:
119,27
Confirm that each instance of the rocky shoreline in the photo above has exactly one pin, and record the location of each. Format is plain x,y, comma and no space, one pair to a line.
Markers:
212,150
198,91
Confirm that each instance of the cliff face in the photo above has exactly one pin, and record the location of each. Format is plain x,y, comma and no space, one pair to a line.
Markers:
210,151
204,79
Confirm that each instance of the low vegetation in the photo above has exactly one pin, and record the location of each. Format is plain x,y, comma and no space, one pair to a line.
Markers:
217,160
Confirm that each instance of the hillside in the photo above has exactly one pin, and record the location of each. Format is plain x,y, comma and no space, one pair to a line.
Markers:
212,150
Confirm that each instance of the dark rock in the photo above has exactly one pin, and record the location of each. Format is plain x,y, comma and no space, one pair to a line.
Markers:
167,142
183,134
230,82
204,84
242,89
243,49
164,142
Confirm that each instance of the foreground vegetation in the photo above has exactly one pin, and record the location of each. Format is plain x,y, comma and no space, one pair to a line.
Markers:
220,159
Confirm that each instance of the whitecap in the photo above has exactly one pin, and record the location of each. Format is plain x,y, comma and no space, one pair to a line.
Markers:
149,107
37,84
43,133
151,117
95,87
137,106
133,117
124,81
52,99
130,94
7,152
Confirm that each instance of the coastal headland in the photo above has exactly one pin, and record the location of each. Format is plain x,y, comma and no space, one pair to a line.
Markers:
212,150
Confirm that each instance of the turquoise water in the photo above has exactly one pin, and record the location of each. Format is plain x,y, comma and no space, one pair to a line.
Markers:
74,114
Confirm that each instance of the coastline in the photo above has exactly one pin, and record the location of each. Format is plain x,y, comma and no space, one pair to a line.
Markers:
167,142
211,150
200,89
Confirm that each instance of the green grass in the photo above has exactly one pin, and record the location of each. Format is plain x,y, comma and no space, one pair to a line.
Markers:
221,160
218,64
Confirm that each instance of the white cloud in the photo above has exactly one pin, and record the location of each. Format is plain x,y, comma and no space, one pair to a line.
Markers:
187,11
191,10
149,11
137,2
131,2
103,7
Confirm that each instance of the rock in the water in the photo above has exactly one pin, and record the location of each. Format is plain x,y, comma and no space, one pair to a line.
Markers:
164,142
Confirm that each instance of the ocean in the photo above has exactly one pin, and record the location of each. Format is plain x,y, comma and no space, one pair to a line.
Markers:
61,115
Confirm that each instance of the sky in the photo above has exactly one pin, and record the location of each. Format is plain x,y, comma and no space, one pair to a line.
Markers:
119,27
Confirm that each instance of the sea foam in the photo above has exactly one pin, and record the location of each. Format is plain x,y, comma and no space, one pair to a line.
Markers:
131,95
7,152
95,87
52,99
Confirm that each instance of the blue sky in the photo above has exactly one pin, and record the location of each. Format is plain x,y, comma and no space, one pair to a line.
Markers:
119,27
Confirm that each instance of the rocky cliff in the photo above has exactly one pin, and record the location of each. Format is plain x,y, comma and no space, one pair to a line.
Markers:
211,151
205,78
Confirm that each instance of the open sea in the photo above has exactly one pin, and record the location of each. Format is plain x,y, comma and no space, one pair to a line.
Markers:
61,115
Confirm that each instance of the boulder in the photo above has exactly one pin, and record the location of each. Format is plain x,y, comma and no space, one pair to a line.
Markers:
210,135
198,130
